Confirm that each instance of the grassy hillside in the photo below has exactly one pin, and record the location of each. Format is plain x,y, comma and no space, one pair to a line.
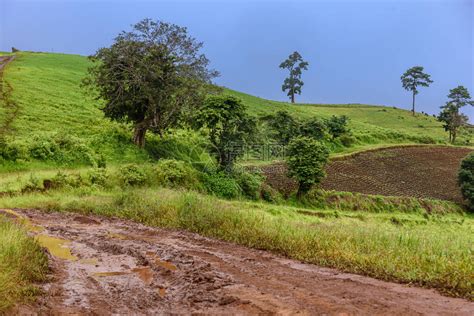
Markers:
46,88
370,123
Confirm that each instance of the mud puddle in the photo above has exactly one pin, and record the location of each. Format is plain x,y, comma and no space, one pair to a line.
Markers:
108,266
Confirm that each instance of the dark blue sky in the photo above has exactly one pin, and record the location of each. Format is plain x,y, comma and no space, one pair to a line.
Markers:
357,50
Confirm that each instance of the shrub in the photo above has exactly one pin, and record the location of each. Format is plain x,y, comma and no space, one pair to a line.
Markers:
314,128
173,173
306,160
221,184
347,140
33,184
183,145
132,174
249,183
98,177
337,125
466,180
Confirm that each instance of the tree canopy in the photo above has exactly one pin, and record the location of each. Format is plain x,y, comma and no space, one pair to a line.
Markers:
295,65
306,158
450,115
149,76
414,78
229,125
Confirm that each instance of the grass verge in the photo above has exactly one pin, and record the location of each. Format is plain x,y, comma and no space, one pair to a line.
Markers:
22,263
431,251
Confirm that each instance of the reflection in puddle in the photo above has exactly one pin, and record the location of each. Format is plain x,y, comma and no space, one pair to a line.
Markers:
164,264
92,261
56,246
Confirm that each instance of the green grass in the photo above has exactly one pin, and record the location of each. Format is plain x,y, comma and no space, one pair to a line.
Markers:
22,263
431,251
46,87
371,124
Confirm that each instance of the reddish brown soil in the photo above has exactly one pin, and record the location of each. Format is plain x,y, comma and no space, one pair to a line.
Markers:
127,268
416,171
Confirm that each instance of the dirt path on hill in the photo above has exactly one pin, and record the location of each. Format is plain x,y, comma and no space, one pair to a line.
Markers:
108,266
11,108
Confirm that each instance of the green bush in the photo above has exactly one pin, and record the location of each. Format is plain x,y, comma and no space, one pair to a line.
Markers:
314,128
466,180
347,140
338,125
173,173
249,183
306,160
133,175
188,146
98,176
221,184
61,148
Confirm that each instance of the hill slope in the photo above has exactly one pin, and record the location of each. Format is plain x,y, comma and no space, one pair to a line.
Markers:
46,89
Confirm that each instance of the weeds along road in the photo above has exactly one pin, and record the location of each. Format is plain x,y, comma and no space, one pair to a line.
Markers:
109,266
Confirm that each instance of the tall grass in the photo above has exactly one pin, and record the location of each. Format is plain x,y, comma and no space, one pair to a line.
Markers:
434,252
22,262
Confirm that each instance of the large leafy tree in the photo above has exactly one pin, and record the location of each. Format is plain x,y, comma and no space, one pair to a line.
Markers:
306,158
149,76
414,78
229,126
451,116
295,65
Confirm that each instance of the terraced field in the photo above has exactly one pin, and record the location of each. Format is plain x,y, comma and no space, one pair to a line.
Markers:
416,171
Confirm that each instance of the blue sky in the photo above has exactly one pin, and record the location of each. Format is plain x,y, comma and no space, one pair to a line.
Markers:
357,50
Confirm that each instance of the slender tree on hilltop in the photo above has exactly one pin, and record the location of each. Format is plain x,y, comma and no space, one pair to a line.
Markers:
412,79
450,114
295,65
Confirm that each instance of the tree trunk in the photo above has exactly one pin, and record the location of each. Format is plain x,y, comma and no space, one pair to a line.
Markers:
303,188
292,97
413,104
453,137
139,134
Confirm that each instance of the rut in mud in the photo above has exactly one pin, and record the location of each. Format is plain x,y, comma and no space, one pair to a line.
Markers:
109,266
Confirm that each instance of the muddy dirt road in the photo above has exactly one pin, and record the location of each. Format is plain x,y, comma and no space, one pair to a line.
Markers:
108,266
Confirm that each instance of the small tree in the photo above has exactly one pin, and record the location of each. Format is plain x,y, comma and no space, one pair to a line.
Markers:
338,126
450,114
306,160
295,64
412,79
466,180
283,126
149,76
229,127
